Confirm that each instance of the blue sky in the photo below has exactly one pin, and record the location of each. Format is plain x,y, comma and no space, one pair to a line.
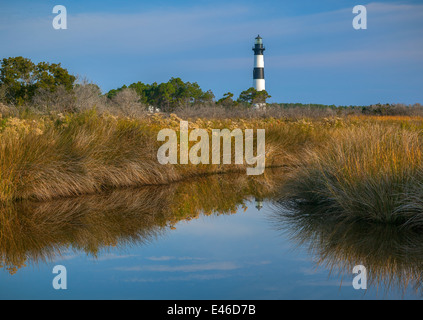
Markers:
313,54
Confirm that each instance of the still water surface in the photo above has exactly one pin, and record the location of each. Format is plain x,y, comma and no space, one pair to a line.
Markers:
203,239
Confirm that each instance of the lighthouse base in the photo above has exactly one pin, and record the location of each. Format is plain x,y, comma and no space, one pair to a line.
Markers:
260,106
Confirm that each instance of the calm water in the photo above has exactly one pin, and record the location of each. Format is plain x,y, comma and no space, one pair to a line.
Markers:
204,239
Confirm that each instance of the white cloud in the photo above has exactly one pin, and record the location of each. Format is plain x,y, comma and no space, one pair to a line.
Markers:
145,32
168,258
113,256
357,58
183,268
181,30
189,277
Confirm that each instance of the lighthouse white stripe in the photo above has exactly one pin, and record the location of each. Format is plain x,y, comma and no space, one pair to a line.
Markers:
259,84
259,61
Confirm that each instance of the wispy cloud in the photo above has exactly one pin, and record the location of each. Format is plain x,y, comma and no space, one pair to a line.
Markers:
64,257
168,258
190,277
180,30
311,271
183,268
113,256
358,58
323,283
149,32
162,258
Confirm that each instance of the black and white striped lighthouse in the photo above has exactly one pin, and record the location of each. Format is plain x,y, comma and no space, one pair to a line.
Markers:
258,74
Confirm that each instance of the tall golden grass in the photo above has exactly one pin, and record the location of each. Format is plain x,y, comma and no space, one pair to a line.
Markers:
44,157
68,155
362,167
370,170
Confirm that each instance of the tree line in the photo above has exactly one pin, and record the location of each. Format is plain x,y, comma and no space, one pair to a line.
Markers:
49,86
21,80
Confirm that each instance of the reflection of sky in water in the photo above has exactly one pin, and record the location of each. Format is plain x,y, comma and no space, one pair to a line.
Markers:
240,256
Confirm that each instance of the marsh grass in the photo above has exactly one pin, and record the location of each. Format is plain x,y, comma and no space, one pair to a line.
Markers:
76,154
371,171
65,155
361,167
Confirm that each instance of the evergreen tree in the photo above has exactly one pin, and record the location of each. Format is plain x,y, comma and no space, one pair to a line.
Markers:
251,96
20,78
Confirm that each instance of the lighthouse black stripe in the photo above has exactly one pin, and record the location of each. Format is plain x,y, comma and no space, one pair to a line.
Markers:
258,73
258,49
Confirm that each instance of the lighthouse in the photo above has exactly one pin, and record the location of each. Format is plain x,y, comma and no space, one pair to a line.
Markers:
258,74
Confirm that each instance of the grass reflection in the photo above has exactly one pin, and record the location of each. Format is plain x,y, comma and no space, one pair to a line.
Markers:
34,232
392,255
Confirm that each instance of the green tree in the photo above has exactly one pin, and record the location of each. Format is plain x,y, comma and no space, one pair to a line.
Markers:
207,96
20,78
17,79
226,100
251,96
143,90
168,95
50,76
260,97
166,92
